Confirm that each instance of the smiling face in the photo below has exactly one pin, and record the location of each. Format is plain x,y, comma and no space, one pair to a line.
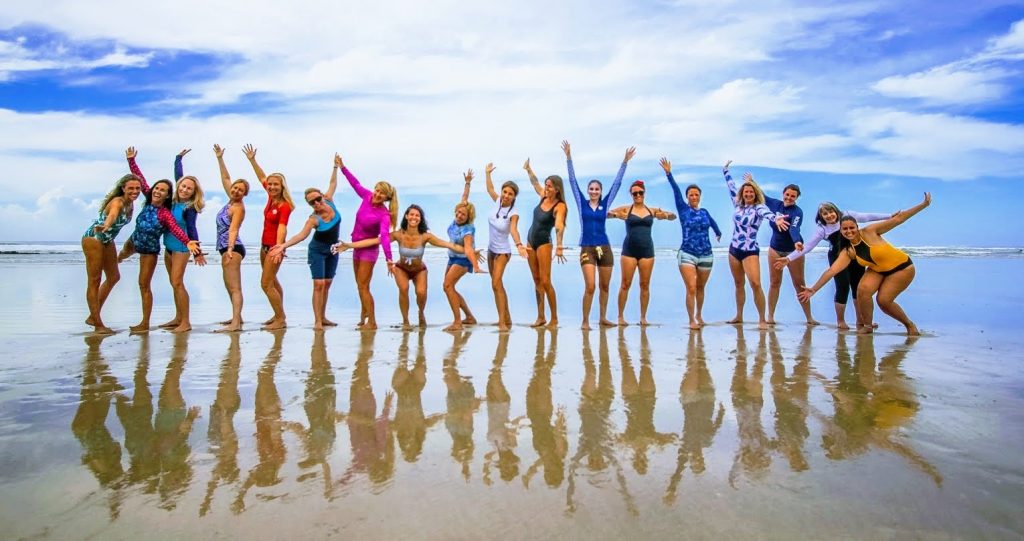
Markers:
508,196
159,193
594,190
549,188
789,197
849,230
413,218
748,195
186,189
693,197
132,189
274,186
315,200
380,194
238,191
828,216
461,214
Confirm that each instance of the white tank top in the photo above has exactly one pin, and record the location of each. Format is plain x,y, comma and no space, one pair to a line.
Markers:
499,221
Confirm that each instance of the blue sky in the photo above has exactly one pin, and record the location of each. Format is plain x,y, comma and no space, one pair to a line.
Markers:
864,103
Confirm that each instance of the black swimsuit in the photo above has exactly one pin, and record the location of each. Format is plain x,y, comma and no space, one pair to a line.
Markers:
638,243
540,229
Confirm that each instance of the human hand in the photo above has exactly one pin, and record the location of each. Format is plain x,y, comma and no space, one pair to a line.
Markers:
781,263
566,149
184,151
527,165
630,152
489,168
391,268
559,254
782,223
725,168
338,164
927,198
250,151
523,253
468,175
805,295
200,259
747,177
665,165
130,153
799,246
218,151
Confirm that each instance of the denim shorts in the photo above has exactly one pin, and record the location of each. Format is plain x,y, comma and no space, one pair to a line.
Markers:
699,261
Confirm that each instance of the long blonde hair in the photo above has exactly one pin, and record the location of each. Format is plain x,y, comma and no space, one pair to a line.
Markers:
118,191
197,202
758,194
285,194
392,194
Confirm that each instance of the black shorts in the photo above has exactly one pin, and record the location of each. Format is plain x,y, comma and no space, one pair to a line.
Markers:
239,249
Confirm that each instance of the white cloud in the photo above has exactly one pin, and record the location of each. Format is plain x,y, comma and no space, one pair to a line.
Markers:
16,58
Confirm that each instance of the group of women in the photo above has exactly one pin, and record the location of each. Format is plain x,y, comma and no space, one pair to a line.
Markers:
861,261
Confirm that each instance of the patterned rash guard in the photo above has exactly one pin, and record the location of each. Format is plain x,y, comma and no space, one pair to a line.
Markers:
694,223
153,221
746,219
106,237
592,221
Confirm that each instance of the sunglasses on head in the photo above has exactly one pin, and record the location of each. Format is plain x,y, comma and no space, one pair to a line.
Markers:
638,192
315,200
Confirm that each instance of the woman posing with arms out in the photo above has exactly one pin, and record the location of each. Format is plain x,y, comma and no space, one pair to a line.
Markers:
373,220
232,251
595,249
98,246
694,257
637,247
412,238
187,204
744,253
890,270
847,281
324,223
153,222
549,213
461,233
783,244
502,222
275,229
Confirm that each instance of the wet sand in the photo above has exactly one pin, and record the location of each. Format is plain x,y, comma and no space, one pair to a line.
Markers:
657,432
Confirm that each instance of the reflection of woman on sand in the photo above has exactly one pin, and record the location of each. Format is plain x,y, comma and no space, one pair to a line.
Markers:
640,394
462,404
171,427
320,401
136,417
754,453
701,420
790,397
549,438
269,427
501,432
373,449
410,424
596,429
890,270
872,408
221,432
101,453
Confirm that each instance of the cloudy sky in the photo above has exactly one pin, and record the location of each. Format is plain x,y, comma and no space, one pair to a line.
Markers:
864,103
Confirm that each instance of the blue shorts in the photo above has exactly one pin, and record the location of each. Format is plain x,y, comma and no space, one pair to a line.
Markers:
323,265
743,254
460,261
699,261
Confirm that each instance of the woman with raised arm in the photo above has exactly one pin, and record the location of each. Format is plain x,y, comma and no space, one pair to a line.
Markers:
98,246
154,220
889,270
595,249
232,251
637,247
846,282
324,223
547,215
275,229
412,238
461,233
744,253
694,257
502,222
783,244
373,220
185,206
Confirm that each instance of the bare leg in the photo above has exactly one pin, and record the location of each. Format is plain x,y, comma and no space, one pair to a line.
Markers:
534,262
498,264
323,310
796,275
866,290
689,274
738,278
100,260
589,287
402,281
628,269
364,273
544,258
318,294
646,267
178,263
272,289
147,266
232,272
455,301
176,320
841,317
421,295
891,287
752,268
702,280
774,284
604,283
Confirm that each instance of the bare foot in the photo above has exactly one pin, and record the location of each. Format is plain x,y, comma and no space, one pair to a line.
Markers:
607,323
700,321
103,329
763,325
457,326
865,329
842,326
623,323
553,324
912,330
228,322
329,323
170,324
735,321
503,327
270,321
369,326
140,328
183,327
770,321
585,326
275,325
423,322
694,325
229,328
812,322
318,326
644,322
539,323
90,321
469,321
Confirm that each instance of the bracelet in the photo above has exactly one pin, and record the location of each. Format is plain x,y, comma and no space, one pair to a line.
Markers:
518,244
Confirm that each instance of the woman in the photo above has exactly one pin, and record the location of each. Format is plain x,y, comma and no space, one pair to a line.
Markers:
637,247
187,204
232,251
549,213
275,229
373,219
504,221
98,246
782,245
595,249
412,238
889,270
155,220
846,282
324,222
461,233
744,254
694,257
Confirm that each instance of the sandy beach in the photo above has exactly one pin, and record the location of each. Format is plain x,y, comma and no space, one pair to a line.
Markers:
660,432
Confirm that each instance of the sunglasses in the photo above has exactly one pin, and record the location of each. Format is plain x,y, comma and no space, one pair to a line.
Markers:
638,192
315,200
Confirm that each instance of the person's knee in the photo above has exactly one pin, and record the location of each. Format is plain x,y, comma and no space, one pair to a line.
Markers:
604,287
885,303
645,284
755,283
589,289
448,287
496,285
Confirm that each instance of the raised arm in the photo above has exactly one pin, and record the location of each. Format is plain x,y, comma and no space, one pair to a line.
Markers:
729,183
865,217
490,184
842,261
613,190
681,204
130,153
537,186
362,192
225,177
577,195
332,185
901,216
250,153
468,176
178,169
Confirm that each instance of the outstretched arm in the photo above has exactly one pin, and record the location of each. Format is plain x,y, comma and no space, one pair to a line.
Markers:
362,192
468,176
662,214
901,216
841,263
307,228
490,185
533,178
817,237
619,212
332,185
178,170
166,219
225,177
250,153
432,239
